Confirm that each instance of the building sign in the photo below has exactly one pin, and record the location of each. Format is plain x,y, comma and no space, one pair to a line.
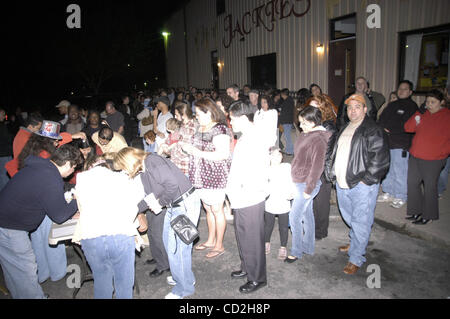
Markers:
263,16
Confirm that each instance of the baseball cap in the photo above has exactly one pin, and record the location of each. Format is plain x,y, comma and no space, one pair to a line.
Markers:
356,97
163,99
63,103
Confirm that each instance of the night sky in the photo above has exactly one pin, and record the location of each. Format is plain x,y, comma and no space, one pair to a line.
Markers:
43,61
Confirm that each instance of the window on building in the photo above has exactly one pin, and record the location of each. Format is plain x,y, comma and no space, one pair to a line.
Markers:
220,7
343,27
262,71
424,56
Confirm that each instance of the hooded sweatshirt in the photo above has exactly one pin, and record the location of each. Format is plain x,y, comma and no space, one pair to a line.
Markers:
309,157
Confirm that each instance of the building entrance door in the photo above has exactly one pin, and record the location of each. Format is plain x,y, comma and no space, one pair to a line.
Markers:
342,63
342,57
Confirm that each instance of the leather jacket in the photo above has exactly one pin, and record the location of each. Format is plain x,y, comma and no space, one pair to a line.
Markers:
369,157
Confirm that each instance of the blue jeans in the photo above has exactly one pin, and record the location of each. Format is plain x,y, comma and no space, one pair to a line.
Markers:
396,181
4,178
443,178
357,206
180,254
301,219
51,260
111,259
287,128
19,265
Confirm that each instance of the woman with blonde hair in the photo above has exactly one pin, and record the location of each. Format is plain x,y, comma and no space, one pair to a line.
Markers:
167,190
107,228
209,166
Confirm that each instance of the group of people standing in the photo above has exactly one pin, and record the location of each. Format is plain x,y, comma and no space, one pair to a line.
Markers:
222,152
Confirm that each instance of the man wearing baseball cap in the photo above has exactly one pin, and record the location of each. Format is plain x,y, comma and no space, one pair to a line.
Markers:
163,105
63,108
359,161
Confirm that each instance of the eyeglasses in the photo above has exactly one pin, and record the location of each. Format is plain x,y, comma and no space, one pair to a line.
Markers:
103,141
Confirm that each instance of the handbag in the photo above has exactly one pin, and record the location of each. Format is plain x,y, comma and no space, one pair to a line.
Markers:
185,229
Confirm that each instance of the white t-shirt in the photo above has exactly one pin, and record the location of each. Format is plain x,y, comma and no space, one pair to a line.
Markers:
108,203
161,126
343,153
266,124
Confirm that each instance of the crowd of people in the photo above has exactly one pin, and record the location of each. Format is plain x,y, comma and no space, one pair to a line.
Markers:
133,167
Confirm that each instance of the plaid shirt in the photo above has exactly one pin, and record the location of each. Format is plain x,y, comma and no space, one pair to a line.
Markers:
177,156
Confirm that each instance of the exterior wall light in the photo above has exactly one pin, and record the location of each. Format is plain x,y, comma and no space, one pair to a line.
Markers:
320,49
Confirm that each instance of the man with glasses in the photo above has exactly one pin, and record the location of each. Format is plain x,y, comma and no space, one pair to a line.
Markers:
108,140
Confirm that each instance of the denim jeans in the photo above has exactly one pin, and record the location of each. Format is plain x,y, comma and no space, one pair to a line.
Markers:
51,260
287,128
301,219
180,254
19,265
357,206
443,178
111,259
396,181
4,178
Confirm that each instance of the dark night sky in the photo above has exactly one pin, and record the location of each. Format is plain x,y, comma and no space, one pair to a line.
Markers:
43,60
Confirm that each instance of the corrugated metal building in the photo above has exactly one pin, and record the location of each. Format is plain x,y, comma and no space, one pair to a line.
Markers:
231,33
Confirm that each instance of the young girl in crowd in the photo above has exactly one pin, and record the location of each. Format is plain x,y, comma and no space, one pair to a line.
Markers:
307,167
149,142
281,190
173,127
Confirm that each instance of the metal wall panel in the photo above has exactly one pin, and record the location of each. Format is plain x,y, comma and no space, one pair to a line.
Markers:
294,41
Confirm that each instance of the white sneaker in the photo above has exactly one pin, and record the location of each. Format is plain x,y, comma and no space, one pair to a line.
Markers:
397,203
170,281
172,296
384,197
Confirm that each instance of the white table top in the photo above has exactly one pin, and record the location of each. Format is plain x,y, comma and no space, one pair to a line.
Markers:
61,232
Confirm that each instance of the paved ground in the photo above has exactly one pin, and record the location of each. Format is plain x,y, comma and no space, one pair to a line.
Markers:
410,268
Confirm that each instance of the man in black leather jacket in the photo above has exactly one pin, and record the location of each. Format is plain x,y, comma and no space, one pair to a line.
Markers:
360,159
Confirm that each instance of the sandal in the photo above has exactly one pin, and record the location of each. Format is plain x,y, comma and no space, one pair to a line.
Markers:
215,253
203,247
282,253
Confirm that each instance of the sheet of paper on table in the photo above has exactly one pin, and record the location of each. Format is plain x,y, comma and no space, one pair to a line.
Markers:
66,229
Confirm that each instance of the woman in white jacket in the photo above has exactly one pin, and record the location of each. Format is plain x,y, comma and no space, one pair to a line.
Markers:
107,228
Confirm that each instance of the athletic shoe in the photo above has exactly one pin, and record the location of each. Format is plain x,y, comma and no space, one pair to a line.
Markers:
397,203
172,282
384,197
172,296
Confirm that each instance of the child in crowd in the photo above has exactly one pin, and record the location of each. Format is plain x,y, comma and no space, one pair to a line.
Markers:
173,126
149,142
281,190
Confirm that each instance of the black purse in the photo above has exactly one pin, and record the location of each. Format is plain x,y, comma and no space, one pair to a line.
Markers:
185,229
